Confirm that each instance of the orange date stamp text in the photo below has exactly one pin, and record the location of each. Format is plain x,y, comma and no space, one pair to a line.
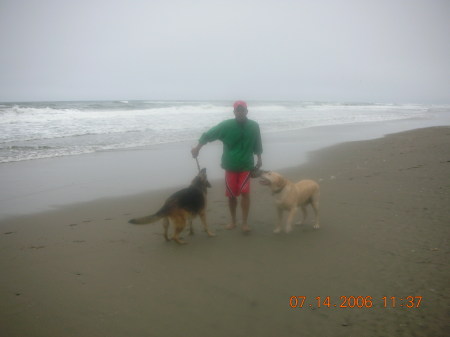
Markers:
355,302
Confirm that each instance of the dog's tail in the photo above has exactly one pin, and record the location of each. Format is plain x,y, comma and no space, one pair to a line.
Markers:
146,219
162,213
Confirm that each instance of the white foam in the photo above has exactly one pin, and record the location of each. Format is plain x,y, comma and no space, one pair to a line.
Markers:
43,130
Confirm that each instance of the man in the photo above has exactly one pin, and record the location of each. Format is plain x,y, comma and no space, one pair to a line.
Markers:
241,140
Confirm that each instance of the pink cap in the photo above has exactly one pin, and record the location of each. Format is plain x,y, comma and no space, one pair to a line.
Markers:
239,103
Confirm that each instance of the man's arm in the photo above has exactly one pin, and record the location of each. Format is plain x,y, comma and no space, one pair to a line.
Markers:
258,147
259,161
196,150
209,136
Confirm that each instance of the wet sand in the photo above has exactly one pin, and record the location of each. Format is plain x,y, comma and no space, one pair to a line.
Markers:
82,270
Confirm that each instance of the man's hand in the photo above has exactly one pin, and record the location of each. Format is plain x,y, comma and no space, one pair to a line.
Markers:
196,150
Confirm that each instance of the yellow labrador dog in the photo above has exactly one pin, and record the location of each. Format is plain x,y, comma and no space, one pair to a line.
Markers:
290,196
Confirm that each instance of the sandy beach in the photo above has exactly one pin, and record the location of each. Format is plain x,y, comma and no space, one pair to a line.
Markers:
82,270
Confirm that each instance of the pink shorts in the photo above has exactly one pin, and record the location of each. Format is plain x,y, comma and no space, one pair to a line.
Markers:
237,183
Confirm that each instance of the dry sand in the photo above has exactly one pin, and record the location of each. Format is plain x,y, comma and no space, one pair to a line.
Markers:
385,211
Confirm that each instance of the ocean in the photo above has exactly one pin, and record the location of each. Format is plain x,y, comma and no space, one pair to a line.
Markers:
31,131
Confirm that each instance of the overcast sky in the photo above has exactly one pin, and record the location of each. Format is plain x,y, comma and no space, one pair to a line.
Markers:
336,50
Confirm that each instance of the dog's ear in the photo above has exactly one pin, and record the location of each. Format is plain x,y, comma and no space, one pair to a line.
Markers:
202,173
204,177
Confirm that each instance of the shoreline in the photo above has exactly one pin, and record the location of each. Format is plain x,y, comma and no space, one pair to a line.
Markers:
82,270
47,184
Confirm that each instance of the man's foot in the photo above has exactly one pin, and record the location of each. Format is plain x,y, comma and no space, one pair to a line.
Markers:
210,234
246,228
230,226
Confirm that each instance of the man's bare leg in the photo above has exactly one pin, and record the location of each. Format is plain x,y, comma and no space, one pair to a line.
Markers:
232,205
245,204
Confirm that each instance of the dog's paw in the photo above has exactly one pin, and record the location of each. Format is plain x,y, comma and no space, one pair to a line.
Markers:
316,226
288,230
277,230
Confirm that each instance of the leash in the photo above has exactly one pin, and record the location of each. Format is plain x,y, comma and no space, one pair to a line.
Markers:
198,165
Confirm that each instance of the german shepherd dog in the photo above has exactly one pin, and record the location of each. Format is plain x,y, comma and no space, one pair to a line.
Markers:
181,207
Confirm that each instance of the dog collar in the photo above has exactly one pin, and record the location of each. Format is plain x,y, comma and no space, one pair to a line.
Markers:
280,189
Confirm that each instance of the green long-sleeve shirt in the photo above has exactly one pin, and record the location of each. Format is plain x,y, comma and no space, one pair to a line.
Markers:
241,140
